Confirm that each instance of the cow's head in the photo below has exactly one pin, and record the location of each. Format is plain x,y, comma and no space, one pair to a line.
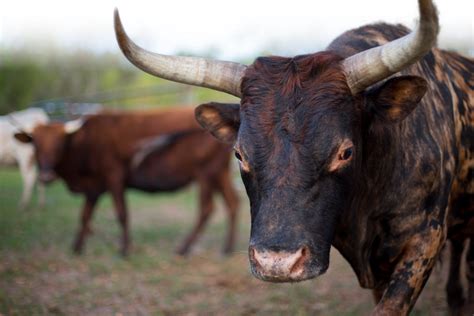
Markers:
49,141
298,134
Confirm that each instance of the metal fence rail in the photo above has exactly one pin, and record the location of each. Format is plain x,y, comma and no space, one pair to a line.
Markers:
72,107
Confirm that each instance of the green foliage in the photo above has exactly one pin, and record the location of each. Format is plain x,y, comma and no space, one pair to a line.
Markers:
19,83
81,76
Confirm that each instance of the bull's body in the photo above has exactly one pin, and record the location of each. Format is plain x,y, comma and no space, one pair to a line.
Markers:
99,158
418,182
14,153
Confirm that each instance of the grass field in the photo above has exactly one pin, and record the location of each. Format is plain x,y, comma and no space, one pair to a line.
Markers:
40,276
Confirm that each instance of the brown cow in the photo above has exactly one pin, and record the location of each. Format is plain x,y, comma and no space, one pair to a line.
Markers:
338,149
152,151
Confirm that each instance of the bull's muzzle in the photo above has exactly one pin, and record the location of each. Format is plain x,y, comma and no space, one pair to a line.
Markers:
281,266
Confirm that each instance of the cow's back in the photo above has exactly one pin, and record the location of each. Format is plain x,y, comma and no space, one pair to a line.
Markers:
190,156
106,143
121,131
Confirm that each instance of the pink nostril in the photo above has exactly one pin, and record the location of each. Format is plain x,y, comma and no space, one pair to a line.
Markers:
252,253
280,264
253,258
301,261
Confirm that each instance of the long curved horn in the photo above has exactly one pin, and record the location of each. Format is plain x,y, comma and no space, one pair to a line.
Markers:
224,76
375,64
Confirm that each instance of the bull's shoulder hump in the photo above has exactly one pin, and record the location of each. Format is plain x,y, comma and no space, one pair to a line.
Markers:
366,37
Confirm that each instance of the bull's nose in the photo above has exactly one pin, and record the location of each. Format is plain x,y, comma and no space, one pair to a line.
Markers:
280,266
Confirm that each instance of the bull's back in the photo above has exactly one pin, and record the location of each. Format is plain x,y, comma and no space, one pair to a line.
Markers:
461,72
461,220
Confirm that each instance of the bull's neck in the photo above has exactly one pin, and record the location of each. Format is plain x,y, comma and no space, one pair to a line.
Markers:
358,224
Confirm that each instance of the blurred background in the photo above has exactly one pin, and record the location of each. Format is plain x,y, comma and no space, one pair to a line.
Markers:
62,56
52,52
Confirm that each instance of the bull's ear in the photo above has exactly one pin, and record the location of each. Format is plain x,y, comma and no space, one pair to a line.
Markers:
396,99
23,137
221,119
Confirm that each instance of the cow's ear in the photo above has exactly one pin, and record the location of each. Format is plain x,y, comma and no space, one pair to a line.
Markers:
221,119
23,137
396,99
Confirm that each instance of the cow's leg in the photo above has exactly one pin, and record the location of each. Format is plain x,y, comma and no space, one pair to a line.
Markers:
232,202
118,196
470,277
86,215
205,209
41,194
28,174
454,288
411,273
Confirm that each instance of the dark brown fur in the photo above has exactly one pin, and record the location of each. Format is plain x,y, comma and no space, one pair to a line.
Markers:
98,159
442,124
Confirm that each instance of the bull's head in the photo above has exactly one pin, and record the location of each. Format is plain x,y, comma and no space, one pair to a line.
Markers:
49,141
298,134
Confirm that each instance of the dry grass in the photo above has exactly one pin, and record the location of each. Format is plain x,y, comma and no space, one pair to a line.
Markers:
39,276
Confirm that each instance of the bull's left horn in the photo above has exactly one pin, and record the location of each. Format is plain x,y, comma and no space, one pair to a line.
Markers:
370,66
219,75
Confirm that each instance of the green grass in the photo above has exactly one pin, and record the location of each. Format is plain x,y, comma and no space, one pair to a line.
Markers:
24,230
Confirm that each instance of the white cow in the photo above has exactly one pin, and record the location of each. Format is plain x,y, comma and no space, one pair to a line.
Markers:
12,152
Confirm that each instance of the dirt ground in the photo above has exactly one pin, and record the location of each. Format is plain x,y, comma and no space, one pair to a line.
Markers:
40,276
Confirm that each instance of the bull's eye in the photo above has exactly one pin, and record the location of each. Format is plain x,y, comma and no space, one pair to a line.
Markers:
346,154
243,164
343,156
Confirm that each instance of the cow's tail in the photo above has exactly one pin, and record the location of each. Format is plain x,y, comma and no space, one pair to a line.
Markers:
157,144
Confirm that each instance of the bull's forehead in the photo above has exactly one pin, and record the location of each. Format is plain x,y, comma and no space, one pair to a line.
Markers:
288,153
285,95
294,113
